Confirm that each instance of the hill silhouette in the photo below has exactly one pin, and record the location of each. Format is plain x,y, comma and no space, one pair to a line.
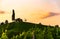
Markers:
26,30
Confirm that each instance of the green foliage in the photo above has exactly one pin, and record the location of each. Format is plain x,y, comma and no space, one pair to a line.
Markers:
4,36
25,30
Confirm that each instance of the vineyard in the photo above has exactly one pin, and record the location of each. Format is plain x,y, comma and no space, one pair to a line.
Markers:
26,30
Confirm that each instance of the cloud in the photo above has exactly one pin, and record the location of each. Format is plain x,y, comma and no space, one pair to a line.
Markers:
2,12
50,15
43,15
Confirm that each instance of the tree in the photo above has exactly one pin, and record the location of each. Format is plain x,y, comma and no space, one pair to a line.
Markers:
48,33
19,20
6,22
2,23
4,36
25,20
56,31
13,15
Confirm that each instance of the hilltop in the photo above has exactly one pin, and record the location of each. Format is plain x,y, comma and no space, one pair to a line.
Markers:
27,30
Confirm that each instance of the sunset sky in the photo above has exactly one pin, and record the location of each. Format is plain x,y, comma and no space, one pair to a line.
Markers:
36,11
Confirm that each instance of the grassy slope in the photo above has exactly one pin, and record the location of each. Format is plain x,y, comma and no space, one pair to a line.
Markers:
19,27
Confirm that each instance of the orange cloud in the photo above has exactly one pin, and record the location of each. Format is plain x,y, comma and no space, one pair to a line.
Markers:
50,15
2,12
47,15
43,14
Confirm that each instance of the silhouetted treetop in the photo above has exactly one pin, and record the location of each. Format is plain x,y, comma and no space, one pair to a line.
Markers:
13,15
18,20
25,20
6,22
2,23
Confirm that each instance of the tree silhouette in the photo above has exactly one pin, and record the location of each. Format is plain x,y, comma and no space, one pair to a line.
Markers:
6,22
2,23
40,23
25,20
19,20
13,15
56,31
